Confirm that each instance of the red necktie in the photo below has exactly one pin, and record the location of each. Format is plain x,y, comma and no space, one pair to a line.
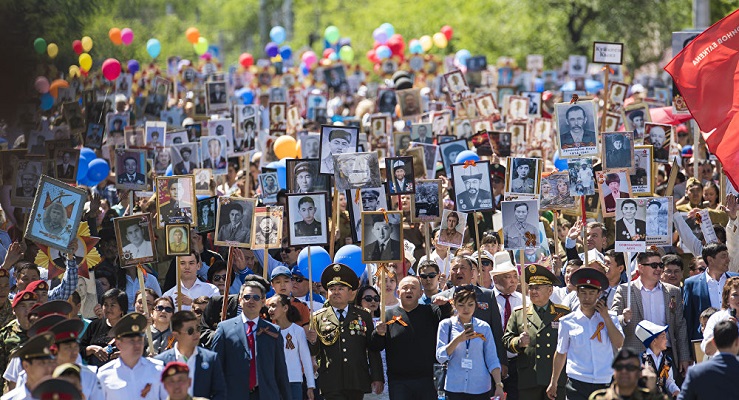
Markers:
506,310
252,350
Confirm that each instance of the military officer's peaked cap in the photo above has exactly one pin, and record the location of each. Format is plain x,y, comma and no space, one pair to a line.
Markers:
536,274
589,277
37,347
56,389
133,324
339,274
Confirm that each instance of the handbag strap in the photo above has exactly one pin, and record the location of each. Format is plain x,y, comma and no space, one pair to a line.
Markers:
449,337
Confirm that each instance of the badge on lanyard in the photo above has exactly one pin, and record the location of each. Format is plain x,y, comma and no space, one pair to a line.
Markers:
467,363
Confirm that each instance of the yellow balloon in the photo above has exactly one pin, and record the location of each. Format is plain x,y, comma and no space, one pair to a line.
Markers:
426,42
85,62
52,50
74,71
86,43
440,40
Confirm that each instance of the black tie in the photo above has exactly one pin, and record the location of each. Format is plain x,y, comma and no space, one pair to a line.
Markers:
382,249
341,315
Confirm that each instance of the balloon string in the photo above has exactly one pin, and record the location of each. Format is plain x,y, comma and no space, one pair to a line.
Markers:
103,109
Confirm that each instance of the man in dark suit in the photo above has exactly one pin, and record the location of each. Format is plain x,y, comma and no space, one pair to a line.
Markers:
131,174
214,160
698,295
65,170
716,378
205,368
185,166
384,248
629,227
613,181
247,340
576,119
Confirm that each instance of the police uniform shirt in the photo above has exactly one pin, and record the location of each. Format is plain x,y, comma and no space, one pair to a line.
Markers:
140,382
19,393
578,337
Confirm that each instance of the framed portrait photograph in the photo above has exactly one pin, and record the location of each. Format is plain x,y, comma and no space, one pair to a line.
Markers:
482,125
419,161
310,145
277,94
582,178
135,235
356,171
178,239
457,84
422,133
94,135
213,151
386,101
451,231
194,132
26,178
379,125
613,121
618,150
176,137
473,187
234,216
155,134
427,201
612,185
217,97
383,236
577,125
631,225
517,109
277,118
56,214
486,106
176,200
307,219
115,123
336,140
642,180
500,142
523,176
222,128
659,214
203,177
520,224
399,175
577,65
659,136
634,118
554,193
185,158
519,135
135,137
66,161
449,152
441,124
371,199
207,209
542,130
302,176
335,77
534,109
247,127
617,94
430,156
266,228
270,185
401,142
410,102
462,128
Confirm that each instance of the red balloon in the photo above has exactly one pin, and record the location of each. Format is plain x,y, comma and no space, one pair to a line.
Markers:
246,60
372,57
77,47
447,31
376,45
396,44
111,69
327,53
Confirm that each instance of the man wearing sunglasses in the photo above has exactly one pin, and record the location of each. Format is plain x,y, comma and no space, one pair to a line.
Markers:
627,370
205,369
249,341
191,286
428,272
301,290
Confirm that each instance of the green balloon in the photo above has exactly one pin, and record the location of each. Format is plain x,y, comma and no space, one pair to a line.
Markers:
201,46
331,34
39,45
346,54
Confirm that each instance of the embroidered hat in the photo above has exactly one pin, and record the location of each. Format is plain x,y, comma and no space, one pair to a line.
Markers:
647,331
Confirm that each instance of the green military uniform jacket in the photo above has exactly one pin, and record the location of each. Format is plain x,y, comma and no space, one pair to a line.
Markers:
6,313
12,336
535,361
639,394
345,361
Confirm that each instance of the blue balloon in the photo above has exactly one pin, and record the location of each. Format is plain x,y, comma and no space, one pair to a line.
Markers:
169,171
351,255
277,34
281,168
462,56
320,259
466,155
388,28
153,47
82,170
98,169
85,182
47,101
286,52
560,163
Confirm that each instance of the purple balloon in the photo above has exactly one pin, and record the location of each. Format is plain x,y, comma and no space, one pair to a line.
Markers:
380,36
133,66
272,49
344,42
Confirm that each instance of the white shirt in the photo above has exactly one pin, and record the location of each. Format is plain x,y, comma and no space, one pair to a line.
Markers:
670,382
140,251
653,302
198,289
588,360
190,364
19,393
344,312
298,357
718,316
558,295
123,383
714,289
515,300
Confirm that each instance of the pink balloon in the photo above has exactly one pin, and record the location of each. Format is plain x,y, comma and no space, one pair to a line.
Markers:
42,84
111,69
126,36
309,58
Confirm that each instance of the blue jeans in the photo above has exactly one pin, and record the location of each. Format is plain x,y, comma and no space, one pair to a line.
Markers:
296,390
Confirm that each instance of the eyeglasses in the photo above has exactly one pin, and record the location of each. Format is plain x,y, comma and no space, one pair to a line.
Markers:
428,276
298,279
190,330
255,297
217,278
701,269
369,298
164,308
627,367
286,250
655,265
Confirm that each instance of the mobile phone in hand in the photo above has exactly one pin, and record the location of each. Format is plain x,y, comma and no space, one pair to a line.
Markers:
468,326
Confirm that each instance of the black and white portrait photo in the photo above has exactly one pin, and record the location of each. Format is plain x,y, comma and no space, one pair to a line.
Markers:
185,158
462,128
135,239
577,66
155,132
618,150
383,237
635,117
577,127
658,220
247,127
410,102
267,228
336,140
194,131
542,130
422,133
56,213
213,151
582,178
176,200
207,209
430,156
612,185
399,175
440,124
130,169
176,137
302,176
310,145
631,225
659,136
451,231
307,219
270,186
115,123
534,109
613,121
277,95
356,171
222,128
370,199
94,135
401,142
473,187
379,125
335,77
217,97
554,193
617,94
456,84
277,118
233,221
427,204
386,101
642,180
66,164
523,175
450,151
486,105
203,177
520,221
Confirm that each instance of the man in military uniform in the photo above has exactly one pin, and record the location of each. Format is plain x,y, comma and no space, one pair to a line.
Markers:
535,343
6,307
38,363
473,197
340,340
176,380
15,333
309,226
627,370
175,211
520,234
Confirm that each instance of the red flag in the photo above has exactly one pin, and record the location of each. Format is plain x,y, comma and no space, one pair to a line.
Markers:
706,74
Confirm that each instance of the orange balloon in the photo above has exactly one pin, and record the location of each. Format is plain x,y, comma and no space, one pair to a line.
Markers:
54,87
192,34
115,36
